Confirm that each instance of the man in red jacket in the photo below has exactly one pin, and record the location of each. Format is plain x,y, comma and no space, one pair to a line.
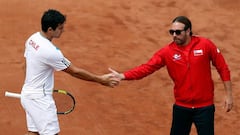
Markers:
188,60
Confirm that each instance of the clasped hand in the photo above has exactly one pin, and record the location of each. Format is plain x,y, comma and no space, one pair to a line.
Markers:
112,79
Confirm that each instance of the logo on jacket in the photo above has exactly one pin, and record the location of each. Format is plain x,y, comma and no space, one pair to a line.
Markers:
198,52
176,57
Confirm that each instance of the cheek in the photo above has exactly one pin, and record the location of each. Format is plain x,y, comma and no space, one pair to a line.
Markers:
182,37
58,32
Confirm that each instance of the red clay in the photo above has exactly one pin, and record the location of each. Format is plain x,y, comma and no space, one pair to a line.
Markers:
118,34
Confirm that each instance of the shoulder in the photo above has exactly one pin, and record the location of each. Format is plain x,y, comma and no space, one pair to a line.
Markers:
206,44
35,38
164,50
200,39
34,35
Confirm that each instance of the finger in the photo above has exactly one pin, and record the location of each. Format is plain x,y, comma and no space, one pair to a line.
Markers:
228,110
116,79
109,75
115,82
228,107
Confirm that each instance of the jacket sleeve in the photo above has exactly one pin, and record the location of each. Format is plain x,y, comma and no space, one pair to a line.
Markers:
139,72
219,62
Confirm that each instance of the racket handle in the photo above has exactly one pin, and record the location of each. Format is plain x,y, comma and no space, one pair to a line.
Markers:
11,94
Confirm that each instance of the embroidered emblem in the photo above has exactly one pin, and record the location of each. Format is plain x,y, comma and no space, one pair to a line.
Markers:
176,57
66,62
198,52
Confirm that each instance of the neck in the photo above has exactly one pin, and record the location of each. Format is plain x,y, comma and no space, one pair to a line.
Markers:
45,35
188,40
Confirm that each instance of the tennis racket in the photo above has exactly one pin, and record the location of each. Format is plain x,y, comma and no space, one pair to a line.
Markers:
64,101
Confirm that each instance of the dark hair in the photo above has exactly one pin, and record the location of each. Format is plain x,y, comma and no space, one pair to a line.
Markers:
52,18
184,20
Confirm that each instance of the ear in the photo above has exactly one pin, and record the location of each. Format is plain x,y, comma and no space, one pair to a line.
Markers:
188,31
50,29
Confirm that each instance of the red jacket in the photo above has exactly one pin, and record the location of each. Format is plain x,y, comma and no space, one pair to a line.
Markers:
190,69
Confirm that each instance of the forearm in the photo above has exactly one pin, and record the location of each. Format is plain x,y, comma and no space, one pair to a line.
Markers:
228,88
128,75
229,97
87,76
82,74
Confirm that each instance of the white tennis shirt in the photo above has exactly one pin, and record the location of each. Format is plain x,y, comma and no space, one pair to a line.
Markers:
42,59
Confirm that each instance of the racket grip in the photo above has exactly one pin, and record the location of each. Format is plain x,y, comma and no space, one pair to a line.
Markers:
11,94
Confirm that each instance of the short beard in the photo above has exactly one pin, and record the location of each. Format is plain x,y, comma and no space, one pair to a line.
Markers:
178,41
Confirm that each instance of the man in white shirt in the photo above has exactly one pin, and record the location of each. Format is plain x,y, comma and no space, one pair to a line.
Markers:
43,58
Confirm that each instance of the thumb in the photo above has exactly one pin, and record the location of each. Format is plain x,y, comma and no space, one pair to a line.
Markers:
113,71
116,74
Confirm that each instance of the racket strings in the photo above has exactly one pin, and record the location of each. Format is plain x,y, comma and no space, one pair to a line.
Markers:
64,102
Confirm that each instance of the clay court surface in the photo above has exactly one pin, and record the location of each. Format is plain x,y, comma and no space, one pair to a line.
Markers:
119,34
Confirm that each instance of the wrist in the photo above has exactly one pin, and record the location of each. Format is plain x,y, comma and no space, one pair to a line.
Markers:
122,76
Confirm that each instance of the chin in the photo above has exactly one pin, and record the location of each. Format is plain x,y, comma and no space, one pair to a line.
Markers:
178,42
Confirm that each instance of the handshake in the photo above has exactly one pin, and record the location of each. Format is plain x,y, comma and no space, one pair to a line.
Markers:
111,79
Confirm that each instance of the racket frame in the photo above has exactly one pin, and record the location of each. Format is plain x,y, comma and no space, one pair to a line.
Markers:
60,91
68,94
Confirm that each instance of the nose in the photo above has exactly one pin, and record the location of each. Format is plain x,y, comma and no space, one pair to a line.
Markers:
174,34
